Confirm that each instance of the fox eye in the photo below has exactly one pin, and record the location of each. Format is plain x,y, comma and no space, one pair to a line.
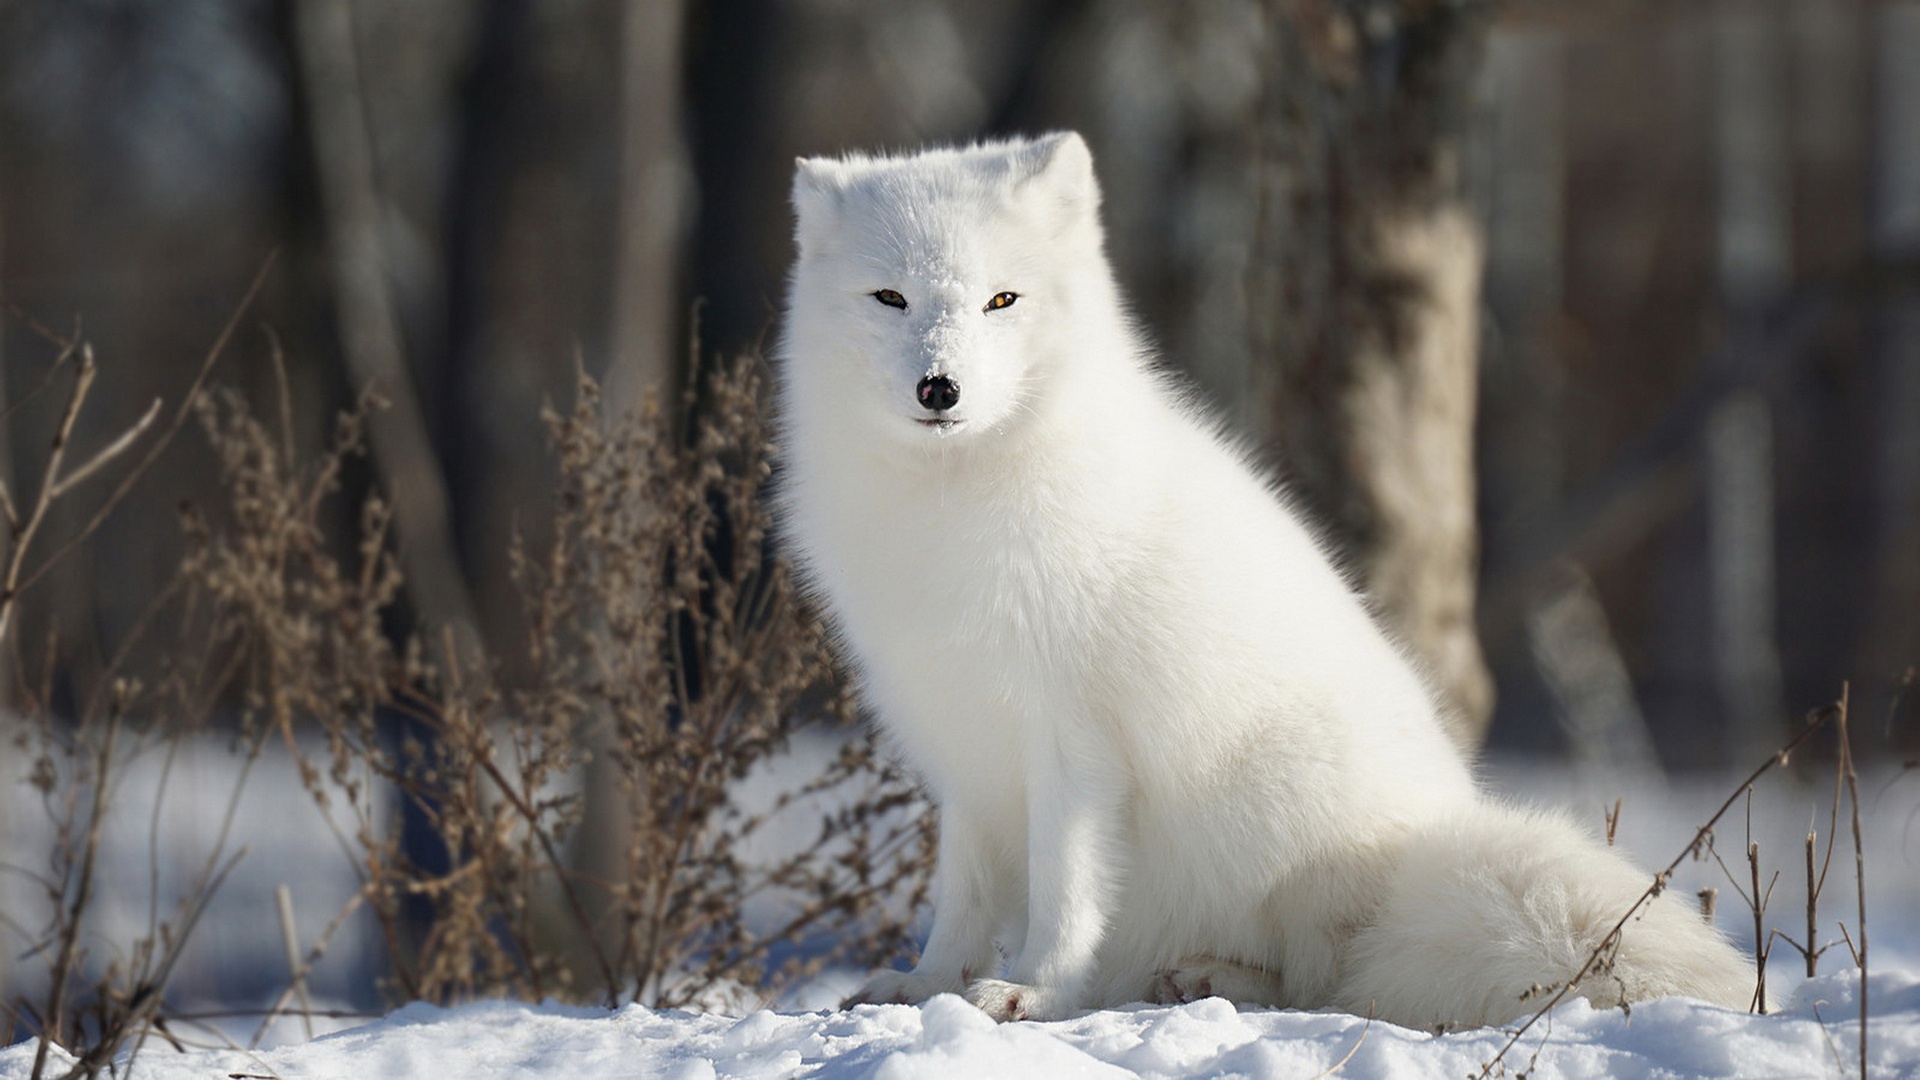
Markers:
890,298
1001,300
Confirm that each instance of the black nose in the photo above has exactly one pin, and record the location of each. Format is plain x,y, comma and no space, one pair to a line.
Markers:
937,392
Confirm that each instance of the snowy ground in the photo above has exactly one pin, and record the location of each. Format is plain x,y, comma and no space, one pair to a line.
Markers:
1815,1037
1814,1032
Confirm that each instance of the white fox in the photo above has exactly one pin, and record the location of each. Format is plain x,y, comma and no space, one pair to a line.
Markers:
1173,754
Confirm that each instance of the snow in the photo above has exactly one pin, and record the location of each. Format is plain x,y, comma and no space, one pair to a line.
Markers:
1813,1033
946,1037
170,804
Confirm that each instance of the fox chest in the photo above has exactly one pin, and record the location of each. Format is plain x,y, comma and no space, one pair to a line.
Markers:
963,606
955,590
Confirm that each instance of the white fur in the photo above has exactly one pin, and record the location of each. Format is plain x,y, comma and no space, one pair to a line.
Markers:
1173,754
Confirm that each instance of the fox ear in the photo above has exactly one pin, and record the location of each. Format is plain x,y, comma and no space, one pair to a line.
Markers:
1061,165
817,184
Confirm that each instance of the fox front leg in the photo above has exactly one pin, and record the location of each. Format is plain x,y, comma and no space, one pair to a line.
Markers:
970,892
1073,814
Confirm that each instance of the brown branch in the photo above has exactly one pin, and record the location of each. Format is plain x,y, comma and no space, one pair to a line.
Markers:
21,531
1351,1050
158,446
1859,869
1659,885
1762,943
108,452
1812,951
68,348
526,810
150,991
76,909
290,940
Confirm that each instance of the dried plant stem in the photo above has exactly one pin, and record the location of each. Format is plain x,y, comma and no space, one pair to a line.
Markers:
574,904
107,453
143,1003
132,476
1809,948
65,343
1658,886
76,909
234,1014
22,530
1351,1050
1812,951
298,981
296,971
1757,904
1859,870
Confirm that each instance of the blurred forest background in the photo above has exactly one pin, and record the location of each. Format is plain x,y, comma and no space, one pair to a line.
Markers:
1590,328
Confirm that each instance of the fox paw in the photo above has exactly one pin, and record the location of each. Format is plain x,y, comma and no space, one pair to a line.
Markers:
902,988
1178,986
1205,977
1017,1001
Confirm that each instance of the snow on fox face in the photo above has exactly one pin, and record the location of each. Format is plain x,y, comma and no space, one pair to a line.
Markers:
932,292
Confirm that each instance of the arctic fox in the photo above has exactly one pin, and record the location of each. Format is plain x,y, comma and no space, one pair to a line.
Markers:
1173,754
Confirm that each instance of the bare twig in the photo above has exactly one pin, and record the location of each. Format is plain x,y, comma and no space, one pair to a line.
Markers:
1812,950
296,971
1847,937
241,1014
23,529
1659,885
54,1029
108,452
301,970
283,388
1351,1050
1762,943
1833,1048
144,1002
68,350
1859,870
154,450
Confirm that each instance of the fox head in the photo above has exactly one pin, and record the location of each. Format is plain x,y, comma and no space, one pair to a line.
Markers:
934,294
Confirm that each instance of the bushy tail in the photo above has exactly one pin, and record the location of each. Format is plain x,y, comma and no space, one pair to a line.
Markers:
1491,911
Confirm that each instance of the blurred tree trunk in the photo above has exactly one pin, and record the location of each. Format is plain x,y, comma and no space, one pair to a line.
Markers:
369,323
489,360
642,356
1893,629
1520,182
1755,266
1364,300
734,47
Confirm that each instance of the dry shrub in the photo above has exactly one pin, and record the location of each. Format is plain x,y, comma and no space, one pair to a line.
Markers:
665,636
666,649
92,995
577,832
